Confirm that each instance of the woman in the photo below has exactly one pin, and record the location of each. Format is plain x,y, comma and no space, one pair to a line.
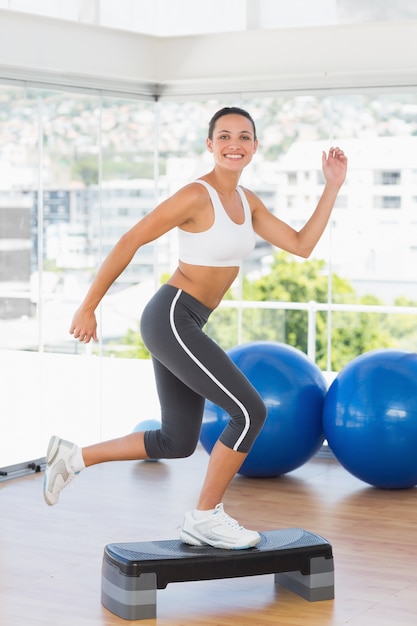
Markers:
217,222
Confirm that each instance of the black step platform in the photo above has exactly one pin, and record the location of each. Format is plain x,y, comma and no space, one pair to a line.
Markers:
132,572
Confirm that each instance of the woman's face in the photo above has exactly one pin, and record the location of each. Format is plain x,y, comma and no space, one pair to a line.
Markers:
233,143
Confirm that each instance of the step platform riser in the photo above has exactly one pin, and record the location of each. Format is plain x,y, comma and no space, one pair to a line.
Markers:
132,572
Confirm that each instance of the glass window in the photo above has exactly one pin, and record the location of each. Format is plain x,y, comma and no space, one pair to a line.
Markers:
79,169
387,177
387,202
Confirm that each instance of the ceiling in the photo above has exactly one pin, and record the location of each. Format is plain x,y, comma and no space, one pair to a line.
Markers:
86,44
191,17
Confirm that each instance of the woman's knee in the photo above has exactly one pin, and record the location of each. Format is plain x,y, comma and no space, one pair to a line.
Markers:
257,421
180,450
245,425
159,446
257,414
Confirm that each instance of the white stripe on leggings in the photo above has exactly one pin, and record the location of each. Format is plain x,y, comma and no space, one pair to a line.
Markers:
213,378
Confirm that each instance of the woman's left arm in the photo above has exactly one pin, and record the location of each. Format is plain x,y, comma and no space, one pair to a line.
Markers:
302,242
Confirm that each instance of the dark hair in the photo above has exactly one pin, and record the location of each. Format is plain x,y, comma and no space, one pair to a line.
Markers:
229,111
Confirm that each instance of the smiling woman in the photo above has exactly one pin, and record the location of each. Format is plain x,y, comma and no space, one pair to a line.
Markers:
217,220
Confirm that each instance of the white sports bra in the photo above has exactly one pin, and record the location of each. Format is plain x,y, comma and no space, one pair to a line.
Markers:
225,243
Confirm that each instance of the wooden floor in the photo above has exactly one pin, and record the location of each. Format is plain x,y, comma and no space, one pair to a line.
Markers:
50,558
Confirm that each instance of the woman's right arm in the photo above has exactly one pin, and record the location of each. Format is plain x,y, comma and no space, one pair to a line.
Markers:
174,211
84,323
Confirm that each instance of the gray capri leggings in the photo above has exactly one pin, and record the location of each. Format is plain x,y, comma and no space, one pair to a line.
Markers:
190,367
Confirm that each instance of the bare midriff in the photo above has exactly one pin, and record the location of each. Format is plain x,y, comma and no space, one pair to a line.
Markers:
207,284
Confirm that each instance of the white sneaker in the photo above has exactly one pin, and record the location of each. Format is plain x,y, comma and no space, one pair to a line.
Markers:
218,530
58,472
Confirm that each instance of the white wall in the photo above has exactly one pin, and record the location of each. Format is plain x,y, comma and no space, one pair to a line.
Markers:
357,55
82,398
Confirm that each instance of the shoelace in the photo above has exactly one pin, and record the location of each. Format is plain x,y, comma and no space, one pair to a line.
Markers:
224,518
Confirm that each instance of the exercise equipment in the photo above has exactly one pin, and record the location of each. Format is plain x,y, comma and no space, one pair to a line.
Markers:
132,572
147,425
370,418
293,389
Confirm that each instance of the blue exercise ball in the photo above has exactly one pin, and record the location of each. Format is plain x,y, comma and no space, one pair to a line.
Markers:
293,389
147,425
370,418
